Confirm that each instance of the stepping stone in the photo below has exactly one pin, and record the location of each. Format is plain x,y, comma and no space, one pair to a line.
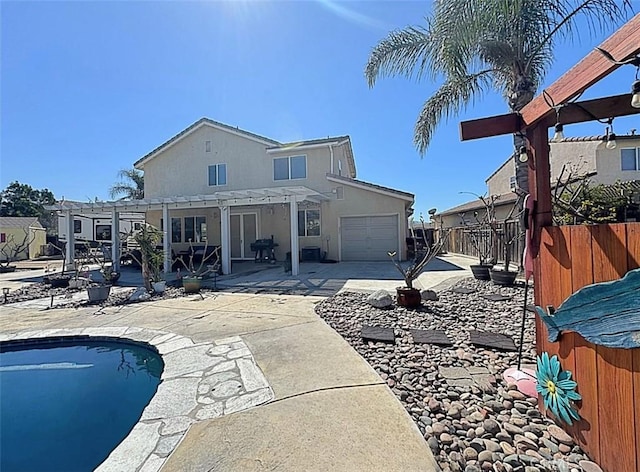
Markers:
495,297
463,290
431,336
376,333
492,340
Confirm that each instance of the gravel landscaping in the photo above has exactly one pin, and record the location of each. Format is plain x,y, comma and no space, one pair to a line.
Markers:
472,420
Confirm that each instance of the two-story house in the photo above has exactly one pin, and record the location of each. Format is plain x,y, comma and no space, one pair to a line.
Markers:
229,187
582,156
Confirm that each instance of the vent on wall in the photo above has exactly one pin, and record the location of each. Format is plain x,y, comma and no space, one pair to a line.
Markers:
207,146
340,193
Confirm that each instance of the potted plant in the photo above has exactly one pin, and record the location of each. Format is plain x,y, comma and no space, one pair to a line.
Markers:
408,296
149,257
192,282
480,236
502,236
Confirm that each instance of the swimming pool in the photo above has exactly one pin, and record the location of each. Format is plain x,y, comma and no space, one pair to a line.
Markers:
66,404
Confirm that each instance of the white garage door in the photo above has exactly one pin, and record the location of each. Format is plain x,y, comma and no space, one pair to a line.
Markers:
368,238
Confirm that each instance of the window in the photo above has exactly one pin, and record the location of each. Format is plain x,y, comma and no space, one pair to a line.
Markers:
218,174
309,223
3,237
289,168
195,229
176,230
207,146
340,167
630,158
103,232
77,226
138,226
512,182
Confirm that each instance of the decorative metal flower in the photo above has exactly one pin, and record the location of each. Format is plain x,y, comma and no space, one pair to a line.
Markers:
557,389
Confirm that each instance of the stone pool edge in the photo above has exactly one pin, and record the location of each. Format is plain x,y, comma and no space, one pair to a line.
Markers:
200,381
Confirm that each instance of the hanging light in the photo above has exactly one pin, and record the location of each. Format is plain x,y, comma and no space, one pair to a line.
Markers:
523,156
559,133
611,141
635,97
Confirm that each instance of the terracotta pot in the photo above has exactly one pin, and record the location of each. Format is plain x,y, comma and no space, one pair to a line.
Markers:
191,284
503,277
408,297
481,271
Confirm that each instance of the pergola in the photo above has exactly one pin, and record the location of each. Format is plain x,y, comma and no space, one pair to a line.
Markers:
224,201
538,116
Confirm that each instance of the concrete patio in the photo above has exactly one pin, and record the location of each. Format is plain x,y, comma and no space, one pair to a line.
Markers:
331,410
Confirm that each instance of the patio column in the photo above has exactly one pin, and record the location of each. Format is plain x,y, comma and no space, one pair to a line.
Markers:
71,241
295,262
225,239
115,240
166,245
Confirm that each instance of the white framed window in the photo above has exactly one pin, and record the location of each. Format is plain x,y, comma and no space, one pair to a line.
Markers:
309,222
217,175
630,159
512,182
289,168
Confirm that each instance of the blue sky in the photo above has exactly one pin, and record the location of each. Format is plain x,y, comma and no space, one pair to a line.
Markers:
87,88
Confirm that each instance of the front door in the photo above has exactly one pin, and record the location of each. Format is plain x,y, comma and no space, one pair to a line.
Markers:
244,231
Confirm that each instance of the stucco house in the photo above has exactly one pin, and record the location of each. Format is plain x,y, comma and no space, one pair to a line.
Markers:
231,187
583,156
21,237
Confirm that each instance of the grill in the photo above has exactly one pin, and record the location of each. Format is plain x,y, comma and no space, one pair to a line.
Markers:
264,250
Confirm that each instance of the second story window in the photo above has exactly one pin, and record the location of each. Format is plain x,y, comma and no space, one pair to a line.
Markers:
630,158
289,168
218,174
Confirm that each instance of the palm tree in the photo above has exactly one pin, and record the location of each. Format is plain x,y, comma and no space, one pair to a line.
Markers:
473,46
131,190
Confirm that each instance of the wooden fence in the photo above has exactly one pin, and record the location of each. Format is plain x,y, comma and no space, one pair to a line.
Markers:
608,379
460,241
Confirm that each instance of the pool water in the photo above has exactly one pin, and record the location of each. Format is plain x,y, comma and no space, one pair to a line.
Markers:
66,406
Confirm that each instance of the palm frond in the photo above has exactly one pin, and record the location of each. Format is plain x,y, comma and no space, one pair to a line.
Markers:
450,98
133,190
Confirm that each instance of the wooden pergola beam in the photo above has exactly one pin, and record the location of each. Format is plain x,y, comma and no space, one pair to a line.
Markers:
579,112
624,43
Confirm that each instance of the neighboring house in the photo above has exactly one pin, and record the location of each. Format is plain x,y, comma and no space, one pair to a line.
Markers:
24,233
582,156
229,187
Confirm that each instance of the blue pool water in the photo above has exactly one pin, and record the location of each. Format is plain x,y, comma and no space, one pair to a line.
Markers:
65,407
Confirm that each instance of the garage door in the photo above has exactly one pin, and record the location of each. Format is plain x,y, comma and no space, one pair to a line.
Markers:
368,238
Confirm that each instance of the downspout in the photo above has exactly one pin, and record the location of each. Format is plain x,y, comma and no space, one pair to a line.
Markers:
331,151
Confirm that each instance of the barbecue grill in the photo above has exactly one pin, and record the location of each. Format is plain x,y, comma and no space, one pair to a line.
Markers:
264,250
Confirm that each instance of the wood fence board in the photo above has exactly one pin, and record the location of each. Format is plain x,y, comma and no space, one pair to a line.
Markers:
633,262
636,396
609,252
550,281
616,409
613,366
587,432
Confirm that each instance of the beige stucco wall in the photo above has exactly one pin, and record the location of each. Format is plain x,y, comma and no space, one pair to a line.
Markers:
14,236
609,163
581,158
182,169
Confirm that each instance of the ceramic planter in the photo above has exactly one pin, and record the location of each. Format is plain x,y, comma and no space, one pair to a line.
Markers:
159,287
503,277
481,271
98,294
408,297
191,284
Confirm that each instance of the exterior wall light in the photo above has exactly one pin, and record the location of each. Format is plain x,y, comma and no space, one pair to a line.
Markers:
635,97
523,156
